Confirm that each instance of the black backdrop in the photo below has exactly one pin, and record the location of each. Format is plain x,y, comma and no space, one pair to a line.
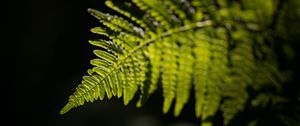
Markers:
46,52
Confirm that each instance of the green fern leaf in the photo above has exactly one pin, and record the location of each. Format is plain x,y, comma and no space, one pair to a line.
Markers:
211,47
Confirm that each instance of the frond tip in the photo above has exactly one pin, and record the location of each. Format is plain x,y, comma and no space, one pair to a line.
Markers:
66,109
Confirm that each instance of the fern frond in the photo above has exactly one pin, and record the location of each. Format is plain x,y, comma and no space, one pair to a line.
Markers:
169,72
125,67
107,45
116,23
208,80
185,65
111,5
210,46
243,64
155,58
200,73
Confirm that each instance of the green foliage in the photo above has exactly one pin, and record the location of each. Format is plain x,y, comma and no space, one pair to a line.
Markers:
221,49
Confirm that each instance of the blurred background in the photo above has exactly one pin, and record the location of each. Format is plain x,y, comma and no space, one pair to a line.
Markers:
46,52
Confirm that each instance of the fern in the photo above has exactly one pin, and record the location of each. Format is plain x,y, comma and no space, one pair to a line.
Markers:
214,47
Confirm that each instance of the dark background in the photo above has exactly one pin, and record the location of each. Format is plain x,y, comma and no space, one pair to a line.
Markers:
46,52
